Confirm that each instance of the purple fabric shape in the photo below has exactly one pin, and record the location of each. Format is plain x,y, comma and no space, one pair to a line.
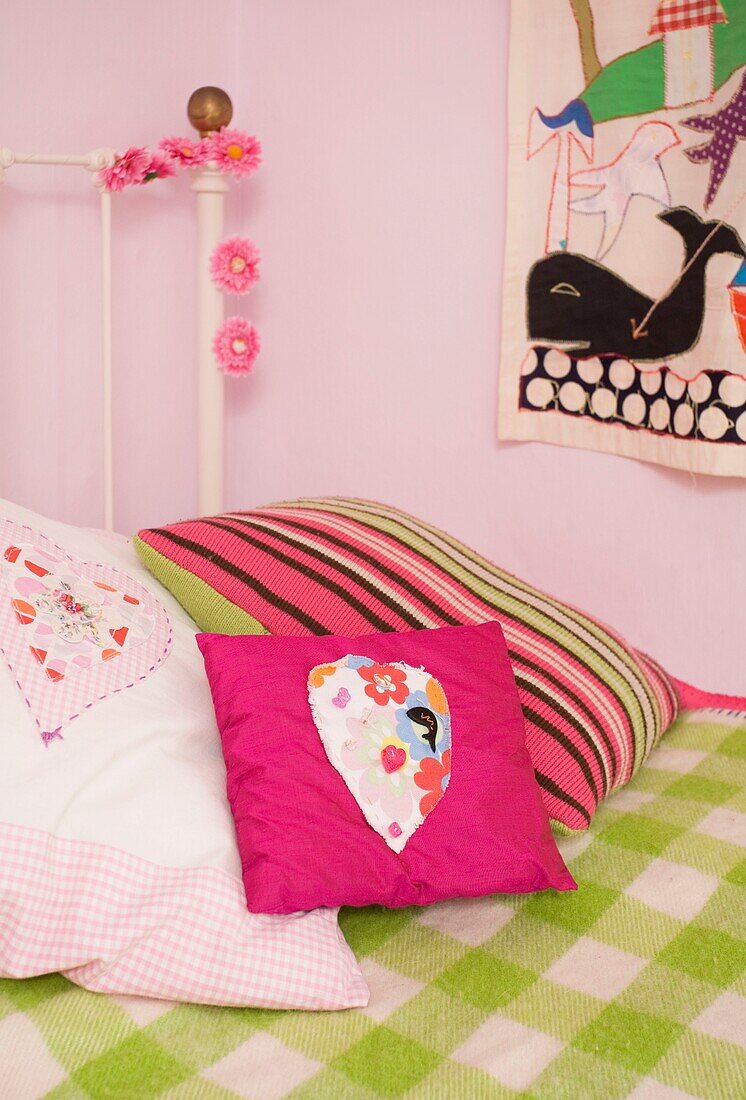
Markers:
727,126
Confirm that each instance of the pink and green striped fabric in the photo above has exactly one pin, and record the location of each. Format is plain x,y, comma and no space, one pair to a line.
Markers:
593,706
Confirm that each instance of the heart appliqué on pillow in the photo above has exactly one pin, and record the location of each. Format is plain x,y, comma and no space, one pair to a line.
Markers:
390,741
72,632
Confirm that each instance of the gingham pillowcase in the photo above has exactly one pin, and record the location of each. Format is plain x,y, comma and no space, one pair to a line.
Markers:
118,857
114,923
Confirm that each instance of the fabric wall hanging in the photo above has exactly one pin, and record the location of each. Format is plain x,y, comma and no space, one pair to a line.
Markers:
624,316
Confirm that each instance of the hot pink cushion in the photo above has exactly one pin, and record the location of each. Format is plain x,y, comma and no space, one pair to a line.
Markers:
303,838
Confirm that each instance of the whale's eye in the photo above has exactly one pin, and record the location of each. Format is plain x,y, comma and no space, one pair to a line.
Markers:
565,288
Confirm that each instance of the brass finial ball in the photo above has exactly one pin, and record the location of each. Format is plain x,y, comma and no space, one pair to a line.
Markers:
209,109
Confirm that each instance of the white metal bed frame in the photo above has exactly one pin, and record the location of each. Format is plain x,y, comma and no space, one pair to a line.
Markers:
210,186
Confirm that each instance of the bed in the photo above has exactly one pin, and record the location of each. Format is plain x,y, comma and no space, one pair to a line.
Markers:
634,986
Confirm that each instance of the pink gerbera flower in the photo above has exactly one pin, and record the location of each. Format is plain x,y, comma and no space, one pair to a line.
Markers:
184,151
235,151
160,168
130,168
236,346
234,265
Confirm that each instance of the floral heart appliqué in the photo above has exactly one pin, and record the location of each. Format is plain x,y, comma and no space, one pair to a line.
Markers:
72,632
390,742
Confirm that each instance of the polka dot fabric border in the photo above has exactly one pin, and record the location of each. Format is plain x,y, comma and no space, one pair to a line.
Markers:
710,407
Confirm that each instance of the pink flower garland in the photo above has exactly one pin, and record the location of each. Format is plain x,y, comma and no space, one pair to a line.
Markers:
236,346
234,264
232,151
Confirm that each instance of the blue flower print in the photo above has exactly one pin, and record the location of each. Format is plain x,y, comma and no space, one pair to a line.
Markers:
359,662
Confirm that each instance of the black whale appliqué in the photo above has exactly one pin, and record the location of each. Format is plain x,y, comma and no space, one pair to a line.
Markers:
587,309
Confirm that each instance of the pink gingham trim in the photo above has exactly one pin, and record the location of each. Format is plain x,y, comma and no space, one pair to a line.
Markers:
678,15
115,923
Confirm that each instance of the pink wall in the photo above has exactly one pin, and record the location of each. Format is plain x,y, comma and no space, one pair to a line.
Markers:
380,216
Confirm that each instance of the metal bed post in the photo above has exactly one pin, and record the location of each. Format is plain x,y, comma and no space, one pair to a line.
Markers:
93,162
208,109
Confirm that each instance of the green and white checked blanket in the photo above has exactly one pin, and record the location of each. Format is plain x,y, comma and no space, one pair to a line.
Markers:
633,986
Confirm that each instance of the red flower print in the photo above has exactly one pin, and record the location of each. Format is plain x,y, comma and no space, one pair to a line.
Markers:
385,682
430,778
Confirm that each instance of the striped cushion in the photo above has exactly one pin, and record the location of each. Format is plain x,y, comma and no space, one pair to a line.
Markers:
594,707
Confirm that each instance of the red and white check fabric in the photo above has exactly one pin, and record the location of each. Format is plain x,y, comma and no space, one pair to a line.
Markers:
679,15
115,923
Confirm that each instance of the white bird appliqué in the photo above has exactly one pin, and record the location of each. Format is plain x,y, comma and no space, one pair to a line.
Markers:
636,170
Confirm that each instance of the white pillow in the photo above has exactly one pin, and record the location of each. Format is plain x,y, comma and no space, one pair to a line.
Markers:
118,859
